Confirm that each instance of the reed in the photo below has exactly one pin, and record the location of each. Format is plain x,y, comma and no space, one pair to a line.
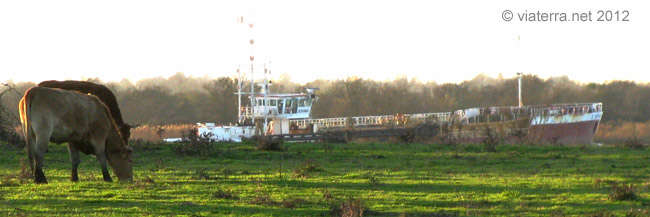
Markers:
618,132
154,133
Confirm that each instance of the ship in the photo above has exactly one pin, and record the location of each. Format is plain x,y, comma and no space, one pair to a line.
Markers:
287,116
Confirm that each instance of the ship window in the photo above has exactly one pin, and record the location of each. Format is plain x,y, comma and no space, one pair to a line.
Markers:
308,102
301,103
273,102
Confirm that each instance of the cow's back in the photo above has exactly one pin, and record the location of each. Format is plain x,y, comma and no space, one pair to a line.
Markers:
101,91
68,115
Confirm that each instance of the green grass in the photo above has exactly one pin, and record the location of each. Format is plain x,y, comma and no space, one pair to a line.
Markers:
305,180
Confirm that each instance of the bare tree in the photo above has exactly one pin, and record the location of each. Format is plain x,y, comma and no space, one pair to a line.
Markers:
8,120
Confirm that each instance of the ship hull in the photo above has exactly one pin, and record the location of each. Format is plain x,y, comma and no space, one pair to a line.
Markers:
565,133
559,129
565,129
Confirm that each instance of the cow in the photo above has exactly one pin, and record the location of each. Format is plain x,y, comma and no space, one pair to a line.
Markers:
83,121
103,93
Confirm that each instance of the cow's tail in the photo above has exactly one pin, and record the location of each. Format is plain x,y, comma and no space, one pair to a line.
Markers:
24,108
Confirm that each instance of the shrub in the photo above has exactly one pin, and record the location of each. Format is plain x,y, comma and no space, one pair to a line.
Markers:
263,199
327,195
148,179
292,203
520,134
418,133
265,143
145,145
8,134
24,175
637,213
408,136
622,192
602,213
328,148
308,166
490,141
193,144
373,180
202,174
348,208
224,194
634,143
339,136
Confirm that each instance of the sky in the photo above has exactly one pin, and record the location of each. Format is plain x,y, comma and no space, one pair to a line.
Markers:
440,41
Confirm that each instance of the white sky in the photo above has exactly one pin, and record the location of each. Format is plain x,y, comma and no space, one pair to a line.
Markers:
442,41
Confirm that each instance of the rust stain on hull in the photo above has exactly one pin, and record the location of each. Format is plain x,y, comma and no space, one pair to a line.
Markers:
564,133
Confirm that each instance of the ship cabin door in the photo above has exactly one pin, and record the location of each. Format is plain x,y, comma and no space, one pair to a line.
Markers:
288,105
294,105
280,106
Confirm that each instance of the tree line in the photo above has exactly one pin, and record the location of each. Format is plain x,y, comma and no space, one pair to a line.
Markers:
181,99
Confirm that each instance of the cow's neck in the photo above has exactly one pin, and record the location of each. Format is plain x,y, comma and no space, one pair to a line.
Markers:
114,139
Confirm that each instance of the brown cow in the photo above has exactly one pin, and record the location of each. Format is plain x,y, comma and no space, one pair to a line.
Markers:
83,121
103,93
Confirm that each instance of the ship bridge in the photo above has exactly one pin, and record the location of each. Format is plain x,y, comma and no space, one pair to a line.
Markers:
289,106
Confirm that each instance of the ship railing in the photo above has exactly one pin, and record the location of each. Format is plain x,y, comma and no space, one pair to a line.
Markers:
566,109
246,111
377,120
514,112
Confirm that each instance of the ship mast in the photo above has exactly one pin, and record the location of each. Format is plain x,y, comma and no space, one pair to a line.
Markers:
252,58
265,87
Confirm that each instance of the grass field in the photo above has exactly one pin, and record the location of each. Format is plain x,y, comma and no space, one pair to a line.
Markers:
322,179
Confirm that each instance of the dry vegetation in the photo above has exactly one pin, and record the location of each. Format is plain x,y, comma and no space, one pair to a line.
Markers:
154,133
620,132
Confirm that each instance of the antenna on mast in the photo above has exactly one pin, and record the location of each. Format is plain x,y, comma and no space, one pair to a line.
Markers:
265,86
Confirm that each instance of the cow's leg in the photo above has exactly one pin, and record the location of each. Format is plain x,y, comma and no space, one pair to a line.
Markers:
40,147
30,151
74,160
102,161
101,157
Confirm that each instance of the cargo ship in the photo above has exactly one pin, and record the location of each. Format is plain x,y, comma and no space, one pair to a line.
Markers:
288,116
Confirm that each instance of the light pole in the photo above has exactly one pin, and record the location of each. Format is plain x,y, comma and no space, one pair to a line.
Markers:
239,86
519,79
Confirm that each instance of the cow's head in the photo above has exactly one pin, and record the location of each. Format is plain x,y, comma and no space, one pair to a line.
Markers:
125,131
121,160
